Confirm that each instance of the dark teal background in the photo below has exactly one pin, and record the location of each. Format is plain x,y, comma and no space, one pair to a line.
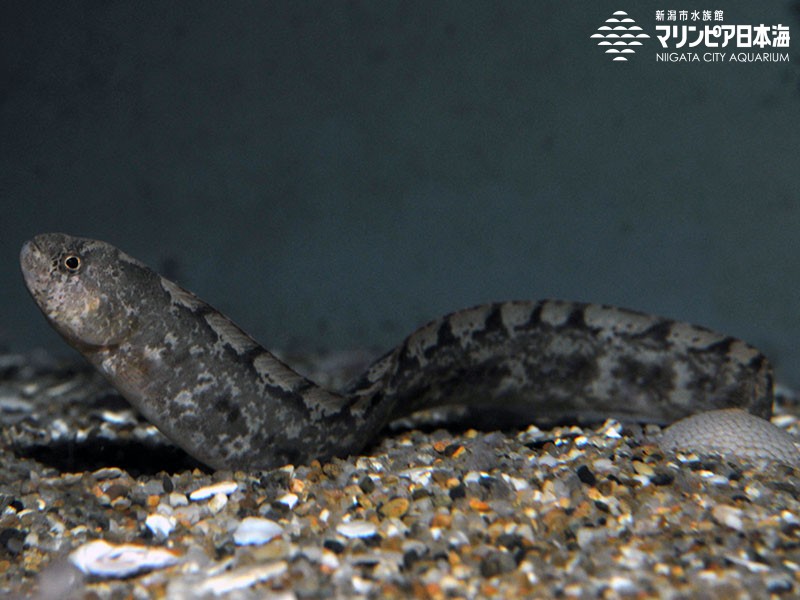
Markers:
332,174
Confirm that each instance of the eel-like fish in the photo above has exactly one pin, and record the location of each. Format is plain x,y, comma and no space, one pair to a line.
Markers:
228,402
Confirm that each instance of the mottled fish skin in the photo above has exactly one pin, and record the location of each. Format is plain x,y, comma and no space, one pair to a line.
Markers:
195,375
228,402
552,361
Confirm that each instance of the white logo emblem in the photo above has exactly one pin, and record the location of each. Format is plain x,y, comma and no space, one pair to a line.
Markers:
620,33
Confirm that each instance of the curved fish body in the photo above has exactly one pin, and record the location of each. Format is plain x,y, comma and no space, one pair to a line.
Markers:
230,403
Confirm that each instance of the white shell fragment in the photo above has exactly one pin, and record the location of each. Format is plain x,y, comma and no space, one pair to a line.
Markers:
123,417
160,525
419,475
289,500
101,559
241,578
254,531
223,487
357,529
611,429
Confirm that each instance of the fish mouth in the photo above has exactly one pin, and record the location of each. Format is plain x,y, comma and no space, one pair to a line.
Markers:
28,248
26,255
31,259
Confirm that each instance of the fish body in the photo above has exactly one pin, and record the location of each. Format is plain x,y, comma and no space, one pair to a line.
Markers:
230,403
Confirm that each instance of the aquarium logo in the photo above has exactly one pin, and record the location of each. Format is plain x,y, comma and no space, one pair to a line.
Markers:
620,36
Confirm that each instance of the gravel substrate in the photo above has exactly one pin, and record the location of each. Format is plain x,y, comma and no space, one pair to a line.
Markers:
95,503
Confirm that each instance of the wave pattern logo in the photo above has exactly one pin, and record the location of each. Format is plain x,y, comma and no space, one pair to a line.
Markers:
620,33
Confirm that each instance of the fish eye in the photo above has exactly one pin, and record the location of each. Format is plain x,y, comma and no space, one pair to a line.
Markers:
72,263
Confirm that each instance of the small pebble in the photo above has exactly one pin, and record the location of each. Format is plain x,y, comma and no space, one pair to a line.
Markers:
419,475
161,526
497,563
254,531
178,499
357,529
586,476
217,503
730,516
366,484
395,508
12,540
107,473
334,546
643,468
288,500
224,487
